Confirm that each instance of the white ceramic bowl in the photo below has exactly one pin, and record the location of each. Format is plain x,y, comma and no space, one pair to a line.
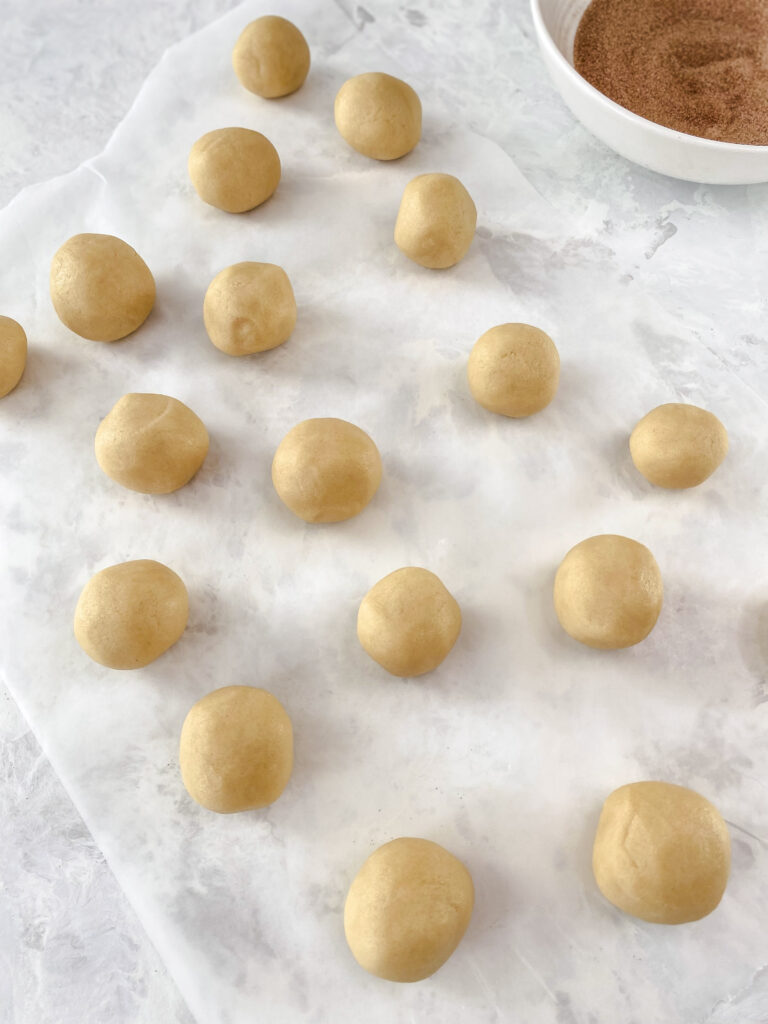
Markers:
648,144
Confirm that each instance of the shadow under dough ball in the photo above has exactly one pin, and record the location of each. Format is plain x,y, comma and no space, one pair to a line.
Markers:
608,592
13,354
378,115
100,287
408,622
249,307
271,57
326,470
407,909
151,443
436,221
662,853
678,445
514,370
131,613
234,169
236,749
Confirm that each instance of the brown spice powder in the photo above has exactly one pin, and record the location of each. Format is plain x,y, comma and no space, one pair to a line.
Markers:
698,66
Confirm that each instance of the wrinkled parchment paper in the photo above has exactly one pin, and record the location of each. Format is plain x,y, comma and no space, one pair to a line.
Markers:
505,753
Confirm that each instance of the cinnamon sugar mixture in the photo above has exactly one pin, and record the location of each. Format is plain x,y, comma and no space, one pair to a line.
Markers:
698,66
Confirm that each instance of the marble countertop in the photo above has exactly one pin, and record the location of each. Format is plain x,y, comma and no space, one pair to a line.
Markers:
71,948
68,937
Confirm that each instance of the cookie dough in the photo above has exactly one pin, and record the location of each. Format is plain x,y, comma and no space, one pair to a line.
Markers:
271,57
131,613
662,853
678,445
407,909
436,221
236,749
13,354
608,592
408,622
378,115
100,287
249,307
151,443
234,169
326,470
514,369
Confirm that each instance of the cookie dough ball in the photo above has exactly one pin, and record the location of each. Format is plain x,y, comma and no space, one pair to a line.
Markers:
436,222
236,750
249,307
100,287
326,470
608,592
151,443
234,169
13,354
407,909
131,613
514,369
678,445
662,853
378,115
408,622
271,57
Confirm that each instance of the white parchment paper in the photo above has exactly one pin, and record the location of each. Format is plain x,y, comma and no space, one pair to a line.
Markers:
505,753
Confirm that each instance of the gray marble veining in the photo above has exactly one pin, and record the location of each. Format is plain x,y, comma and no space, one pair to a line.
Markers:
68,936
505,754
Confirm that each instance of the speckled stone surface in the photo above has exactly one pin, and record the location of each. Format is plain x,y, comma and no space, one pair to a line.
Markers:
71,948
654,230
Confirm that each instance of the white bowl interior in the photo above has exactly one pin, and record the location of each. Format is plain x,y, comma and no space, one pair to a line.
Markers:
644,142
562,18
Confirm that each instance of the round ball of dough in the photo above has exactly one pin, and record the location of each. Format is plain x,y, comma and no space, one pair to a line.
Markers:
408,622
678,445
662,853
236,750
608,592
514,369
326,470
436,221
234,169
249,307
271,57
131,613
407,909
13,354
100,287
151,443
378,115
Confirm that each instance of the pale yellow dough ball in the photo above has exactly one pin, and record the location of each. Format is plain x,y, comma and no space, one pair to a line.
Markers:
131,613
234,169
662,853
514,370
13,354
436,221
378,115
608,592
408,622
100,287
407,909
678,445
271,57
236,749
249,307
326,470
151,443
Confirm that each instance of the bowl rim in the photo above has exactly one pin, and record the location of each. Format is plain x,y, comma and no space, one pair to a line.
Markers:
670,134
